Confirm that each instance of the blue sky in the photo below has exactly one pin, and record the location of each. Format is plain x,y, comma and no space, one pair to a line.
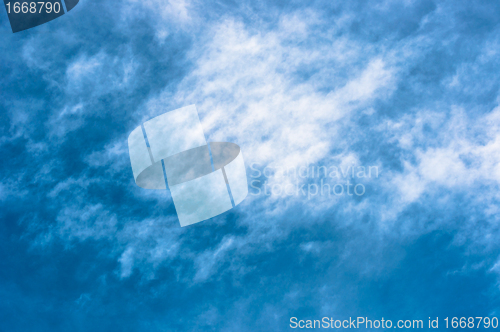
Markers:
411,87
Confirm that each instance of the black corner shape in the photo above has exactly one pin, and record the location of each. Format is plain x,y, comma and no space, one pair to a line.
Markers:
70,4
31,13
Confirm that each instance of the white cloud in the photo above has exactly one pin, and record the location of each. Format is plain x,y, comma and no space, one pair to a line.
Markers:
147,244
285,102
457,159
90,221
248,90
100,73
126,262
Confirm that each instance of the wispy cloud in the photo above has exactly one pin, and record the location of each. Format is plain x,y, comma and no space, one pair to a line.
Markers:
409,87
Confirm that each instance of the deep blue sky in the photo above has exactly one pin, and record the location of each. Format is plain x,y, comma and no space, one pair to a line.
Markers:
411,87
